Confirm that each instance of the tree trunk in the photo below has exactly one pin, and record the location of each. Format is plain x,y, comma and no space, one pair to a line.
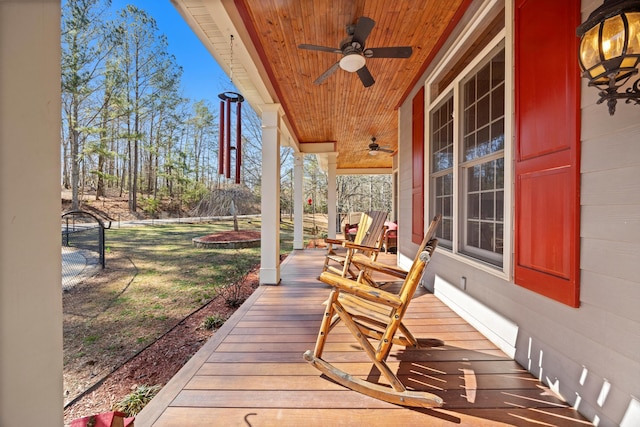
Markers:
75,167
103,146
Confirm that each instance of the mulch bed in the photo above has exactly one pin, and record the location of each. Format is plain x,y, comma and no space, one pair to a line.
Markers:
231,236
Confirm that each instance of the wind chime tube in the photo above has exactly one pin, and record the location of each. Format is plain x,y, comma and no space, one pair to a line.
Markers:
221,141
238,140
227,145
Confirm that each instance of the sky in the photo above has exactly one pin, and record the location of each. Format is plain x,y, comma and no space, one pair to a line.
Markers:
202,77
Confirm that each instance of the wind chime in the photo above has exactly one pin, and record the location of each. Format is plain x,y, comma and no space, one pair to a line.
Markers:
225,147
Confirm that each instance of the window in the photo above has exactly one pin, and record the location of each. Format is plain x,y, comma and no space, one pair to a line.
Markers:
467,137
442,168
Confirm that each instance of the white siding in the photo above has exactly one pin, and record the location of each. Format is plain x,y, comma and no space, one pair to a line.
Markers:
406,249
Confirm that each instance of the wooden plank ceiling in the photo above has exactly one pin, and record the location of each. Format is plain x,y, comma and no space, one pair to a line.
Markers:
341,109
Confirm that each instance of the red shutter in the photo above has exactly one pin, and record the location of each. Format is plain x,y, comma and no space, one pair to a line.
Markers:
417,153
547,193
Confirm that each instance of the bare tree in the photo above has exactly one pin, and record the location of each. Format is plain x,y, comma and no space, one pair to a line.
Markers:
85,46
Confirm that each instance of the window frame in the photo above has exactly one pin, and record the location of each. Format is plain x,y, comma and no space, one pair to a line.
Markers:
456,249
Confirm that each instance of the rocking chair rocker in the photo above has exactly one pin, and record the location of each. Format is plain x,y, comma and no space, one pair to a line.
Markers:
373,315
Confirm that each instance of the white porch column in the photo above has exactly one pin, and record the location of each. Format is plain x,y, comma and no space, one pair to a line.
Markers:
30,260
270,232
331,194
298,196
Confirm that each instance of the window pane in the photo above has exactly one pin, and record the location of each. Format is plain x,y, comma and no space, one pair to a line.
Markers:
446,229
486,236
497,135
497,69
483,111
447,181
438,185
500,173
470,147
470,91
499,238
473,231
473,202
497,102
500,205
474,179
487,176
470,119
443,204
484,80
487,202
484,147
447,207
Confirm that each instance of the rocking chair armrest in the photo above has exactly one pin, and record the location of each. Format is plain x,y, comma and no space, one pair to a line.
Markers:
361,290
334,241
351,245
366,263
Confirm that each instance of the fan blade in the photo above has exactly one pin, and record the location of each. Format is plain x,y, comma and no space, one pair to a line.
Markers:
389,52
362,30
386,150
327,73
320,48
365,76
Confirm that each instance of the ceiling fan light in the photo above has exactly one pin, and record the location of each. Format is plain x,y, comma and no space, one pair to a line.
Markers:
352,62
373,152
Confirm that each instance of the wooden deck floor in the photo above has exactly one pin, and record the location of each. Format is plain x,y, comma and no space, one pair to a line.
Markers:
252,371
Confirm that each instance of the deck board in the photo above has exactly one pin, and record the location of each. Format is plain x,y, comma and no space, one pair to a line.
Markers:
252,371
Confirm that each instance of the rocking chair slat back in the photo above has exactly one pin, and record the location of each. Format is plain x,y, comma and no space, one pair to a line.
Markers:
368,241
372,230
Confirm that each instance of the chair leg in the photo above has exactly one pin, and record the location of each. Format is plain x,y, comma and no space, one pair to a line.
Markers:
368,348
330,251
327,323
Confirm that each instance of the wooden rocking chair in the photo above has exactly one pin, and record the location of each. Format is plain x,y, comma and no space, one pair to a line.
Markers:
374,317
366,243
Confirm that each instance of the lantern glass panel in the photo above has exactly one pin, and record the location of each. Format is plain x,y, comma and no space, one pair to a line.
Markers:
634,33
629,62
589,55
613,37
597,71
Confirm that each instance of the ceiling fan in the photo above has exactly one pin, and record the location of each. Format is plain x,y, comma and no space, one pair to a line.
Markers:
354,53
374,148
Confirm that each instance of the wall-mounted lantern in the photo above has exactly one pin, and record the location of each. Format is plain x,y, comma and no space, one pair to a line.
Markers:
610,50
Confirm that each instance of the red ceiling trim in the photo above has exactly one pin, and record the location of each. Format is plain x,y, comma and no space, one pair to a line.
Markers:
245,15
436,48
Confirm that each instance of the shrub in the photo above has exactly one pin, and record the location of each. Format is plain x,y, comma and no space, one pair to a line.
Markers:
150,206
233,295
214,322
133,403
